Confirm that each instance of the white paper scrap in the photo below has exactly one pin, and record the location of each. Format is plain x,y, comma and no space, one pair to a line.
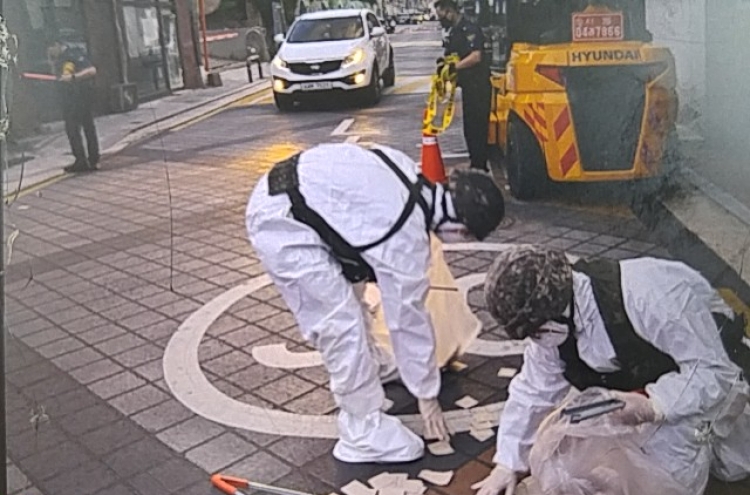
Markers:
467,402
387,479
438,478
414,487
357,488
482,435
507,372
440,448
457,366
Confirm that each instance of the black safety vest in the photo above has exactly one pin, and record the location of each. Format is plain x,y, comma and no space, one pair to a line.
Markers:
283,178
640,362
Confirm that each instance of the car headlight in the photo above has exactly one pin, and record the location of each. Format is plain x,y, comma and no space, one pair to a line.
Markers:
354,58
279,63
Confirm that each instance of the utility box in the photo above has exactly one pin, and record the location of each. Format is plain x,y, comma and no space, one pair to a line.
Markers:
123,97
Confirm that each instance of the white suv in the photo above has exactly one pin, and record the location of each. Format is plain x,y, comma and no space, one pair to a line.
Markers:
333,50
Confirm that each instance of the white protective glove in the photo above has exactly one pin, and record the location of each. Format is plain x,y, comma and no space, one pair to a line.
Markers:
434,422
638,409
501,479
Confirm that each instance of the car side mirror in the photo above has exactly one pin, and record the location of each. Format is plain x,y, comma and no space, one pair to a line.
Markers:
377,31
279,38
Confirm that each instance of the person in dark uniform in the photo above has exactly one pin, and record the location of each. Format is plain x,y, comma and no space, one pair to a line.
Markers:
75,74
467,41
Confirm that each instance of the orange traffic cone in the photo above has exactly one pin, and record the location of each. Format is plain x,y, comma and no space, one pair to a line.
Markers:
433,168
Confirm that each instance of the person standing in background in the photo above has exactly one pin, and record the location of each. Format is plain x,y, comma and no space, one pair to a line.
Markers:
75,74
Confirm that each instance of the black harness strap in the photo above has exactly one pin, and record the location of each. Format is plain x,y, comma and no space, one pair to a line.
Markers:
640,362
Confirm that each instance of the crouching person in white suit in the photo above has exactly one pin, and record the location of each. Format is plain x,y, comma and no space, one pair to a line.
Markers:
328,220
651,333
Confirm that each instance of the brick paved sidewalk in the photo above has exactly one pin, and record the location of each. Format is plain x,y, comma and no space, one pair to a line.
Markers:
102,276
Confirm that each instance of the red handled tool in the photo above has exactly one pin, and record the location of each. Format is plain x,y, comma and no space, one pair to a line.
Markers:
39,77
231,485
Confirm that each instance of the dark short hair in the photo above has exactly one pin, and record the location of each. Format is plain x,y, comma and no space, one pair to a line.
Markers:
446,5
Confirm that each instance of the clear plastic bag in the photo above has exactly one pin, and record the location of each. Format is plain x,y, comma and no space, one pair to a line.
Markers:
595,456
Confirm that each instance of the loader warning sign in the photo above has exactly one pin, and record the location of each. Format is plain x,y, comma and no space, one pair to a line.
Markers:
598,27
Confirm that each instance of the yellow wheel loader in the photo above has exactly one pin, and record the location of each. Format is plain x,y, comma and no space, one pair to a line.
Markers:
585,95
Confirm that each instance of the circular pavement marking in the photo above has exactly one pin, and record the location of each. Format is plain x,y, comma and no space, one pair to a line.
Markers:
189,384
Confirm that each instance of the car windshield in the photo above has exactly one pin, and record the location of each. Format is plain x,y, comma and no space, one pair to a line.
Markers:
336,29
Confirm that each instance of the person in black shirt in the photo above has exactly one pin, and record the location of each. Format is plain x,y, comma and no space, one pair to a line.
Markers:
466,40
75,74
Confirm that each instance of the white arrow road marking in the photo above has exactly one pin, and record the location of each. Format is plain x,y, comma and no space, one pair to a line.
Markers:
343,127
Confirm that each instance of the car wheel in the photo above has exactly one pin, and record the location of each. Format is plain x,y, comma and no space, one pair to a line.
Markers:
285,103
373,92
389,76
527,170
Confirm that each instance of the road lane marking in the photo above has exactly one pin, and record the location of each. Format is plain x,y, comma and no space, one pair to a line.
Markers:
412,85
253,98
352,139
342,128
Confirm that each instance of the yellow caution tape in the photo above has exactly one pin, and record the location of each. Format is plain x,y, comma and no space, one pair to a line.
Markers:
442,91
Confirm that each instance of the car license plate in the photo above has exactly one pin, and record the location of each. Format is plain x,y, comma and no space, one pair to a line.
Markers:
598,27
316,86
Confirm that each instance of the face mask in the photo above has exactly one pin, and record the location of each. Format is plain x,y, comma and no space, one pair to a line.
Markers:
446,23
551,334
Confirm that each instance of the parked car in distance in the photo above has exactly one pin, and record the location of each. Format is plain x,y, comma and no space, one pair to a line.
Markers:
344,51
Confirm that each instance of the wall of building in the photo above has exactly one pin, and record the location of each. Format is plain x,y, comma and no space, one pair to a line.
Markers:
681,26
728,73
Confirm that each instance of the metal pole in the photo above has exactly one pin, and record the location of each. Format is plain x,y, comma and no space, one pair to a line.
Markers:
3,150
202,14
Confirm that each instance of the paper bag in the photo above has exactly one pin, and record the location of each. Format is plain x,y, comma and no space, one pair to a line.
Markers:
454,324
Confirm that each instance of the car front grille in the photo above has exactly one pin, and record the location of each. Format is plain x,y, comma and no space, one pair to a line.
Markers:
305,69
607,105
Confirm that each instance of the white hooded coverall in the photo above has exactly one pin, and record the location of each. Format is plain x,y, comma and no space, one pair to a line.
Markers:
361,198
670,305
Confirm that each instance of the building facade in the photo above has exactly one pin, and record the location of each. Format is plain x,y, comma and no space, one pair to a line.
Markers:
709,39
146,47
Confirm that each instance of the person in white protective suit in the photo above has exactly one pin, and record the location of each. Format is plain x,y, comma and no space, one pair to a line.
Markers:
653,332
334,217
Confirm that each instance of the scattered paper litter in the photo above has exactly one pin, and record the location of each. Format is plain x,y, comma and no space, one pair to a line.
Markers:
457,366
438,478
482,435
414,487
507,372
387,405
387,479
440,448
357,488
467,402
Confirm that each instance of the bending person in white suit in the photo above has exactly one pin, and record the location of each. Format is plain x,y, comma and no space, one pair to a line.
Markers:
331,218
